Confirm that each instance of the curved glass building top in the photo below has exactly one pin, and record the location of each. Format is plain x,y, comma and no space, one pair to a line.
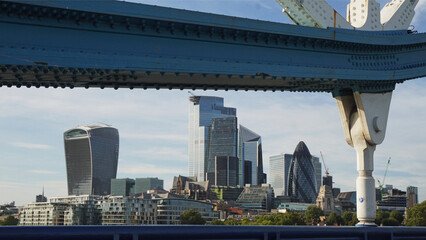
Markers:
91,156
302,182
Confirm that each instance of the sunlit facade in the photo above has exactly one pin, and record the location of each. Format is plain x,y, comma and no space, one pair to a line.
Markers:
279,166
91,155
202,111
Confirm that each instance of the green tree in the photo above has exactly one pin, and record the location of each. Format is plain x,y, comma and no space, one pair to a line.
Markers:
245,221
416,216
334,219
292,218
390,221
354,220
232,222
380,216
397,215
191,217
288,218
347,218
313,215
216,222
9,221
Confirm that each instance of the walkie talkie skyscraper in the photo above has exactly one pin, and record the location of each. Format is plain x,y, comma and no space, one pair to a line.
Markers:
91,155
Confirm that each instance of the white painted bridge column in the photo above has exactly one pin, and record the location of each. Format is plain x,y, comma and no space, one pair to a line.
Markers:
364,118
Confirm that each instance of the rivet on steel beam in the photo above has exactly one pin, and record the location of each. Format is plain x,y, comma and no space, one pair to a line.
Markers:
102,86
115,87
158,26
86,86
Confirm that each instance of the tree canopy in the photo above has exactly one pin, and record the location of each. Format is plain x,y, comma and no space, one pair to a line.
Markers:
9,221
191,217
334,219
397,216
416,216
349,218
313,214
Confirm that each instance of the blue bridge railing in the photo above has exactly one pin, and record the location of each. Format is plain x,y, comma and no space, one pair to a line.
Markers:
212,232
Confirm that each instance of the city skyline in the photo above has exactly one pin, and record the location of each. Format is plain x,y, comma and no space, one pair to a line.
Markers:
33,121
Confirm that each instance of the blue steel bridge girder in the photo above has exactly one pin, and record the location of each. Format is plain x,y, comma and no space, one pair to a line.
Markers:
125,45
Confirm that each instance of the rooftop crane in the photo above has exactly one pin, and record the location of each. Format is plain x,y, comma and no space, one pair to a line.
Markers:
384,177
325,167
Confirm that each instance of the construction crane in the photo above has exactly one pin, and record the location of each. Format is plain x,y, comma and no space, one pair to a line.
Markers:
325,167
384,177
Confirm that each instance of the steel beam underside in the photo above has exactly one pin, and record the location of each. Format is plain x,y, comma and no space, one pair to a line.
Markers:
126,45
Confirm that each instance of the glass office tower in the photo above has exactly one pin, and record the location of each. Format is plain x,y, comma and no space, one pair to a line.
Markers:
223,141
226,171
250,150
91,156
318,172
302,180
202,111
279,166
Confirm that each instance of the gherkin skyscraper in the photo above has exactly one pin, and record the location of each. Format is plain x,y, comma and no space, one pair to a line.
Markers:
302,182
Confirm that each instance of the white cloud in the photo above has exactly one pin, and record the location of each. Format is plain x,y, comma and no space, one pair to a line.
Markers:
30,145
162,153
152,136
42,172
149,170
419,18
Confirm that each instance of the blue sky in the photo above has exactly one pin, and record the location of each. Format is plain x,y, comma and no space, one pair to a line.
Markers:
153,124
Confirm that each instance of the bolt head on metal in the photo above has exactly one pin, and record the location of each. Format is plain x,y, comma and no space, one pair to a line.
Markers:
376,124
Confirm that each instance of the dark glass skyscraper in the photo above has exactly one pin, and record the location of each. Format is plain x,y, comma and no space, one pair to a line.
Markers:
226,171
302,181
91,156
222,142
250,150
